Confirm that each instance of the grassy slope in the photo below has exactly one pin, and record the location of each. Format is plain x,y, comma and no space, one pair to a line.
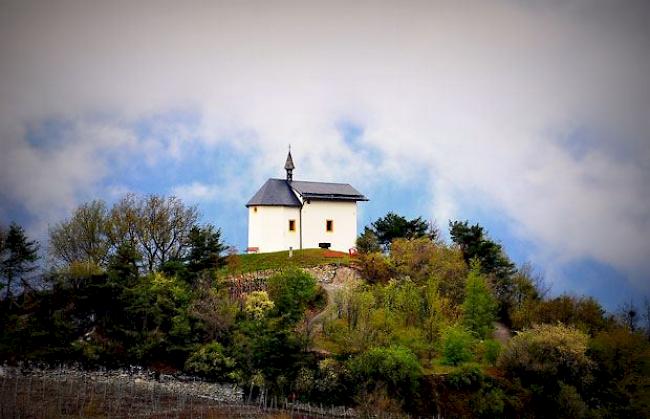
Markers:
277,260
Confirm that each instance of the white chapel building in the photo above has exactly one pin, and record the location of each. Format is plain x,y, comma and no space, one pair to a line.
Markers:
287,213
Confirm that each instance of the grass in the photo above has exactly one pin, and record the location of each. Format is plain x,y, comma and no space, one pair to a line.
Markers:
304,258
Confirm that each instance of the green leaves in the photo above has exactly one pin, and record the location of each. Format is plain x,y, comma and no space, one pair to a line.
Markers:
394,226
479,307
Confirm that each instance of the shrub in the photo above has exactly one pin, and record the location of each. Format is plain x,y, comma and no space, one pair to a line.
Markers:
457,344
367,242
490,350
396,367
258,304
374,268
209,361
543,358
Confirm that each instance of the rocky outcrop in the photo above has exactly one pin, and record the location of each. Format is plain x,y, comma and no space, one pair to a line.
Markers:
324,274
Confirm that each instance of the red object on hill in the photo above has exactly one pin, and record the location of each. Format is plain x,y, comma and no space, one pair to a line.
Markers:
333,254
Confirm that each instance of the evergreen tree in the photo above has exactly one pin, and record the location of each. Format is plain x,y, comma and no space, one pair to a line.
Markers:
394,226
205,248
479,307
18,257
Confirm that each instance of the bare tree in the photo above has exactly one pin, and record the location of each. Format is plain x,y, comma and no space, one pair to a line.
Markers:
164,226
156,226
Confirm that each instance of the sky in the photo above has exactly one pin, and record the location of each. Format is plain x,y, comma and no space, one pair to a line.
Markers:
530,118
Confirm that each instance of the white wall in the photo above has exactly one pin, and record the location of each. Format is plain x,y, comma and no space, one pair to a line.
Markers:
342,213
268,228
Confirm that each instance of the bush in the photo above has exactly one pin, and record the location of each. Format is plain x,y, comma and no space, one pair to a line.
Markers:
374,268
395,367
490,351
457,344
258,304
545,357
548,352
209,361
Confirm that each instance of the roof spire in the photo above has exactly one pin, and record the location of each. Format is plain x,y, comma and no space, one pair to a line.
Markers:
288,166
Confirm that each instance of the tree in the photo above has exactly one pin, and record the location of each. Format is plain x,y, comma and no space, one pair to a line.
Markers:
205,249
394,226
18,256
367,242
457,344
291,291
165,224
155,226
474,244
479,307
82,238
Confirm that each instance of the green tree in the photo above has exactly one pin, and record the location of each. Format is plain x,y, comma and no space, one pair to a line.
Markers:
210,361
291,291
395,367
82,238
205,249
394,226
479,307
475,244
367,242
18,256
457,344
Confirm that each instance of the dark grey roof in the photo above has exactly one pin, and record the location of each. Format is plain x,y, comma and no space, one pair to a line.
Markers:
328,191
275,192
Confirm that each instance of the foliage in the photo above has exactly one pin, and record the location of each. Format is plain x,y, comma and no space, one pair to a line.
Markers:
210,361
393,226
367,242
622,360
211,309
489,351
157,227
395,367
457,345
410,339
412,257
258,304
469,392
204,249
84,237
479,307
475,245
291,291
544,357
374,267
18,256
583,313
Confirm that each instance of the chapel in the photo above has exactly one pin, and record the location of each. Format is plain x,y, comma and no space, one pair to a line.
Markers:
289,214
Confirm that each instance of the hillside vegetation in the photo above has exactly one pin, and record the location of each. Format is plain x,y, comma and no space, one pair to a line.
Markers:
142,283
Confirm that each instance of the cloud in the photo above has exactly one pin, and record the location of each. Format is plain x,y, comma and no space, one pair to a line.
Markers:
538,113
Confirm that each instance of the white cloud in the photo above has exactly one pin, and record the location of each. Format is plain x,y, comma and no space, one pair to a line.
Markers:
475,101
